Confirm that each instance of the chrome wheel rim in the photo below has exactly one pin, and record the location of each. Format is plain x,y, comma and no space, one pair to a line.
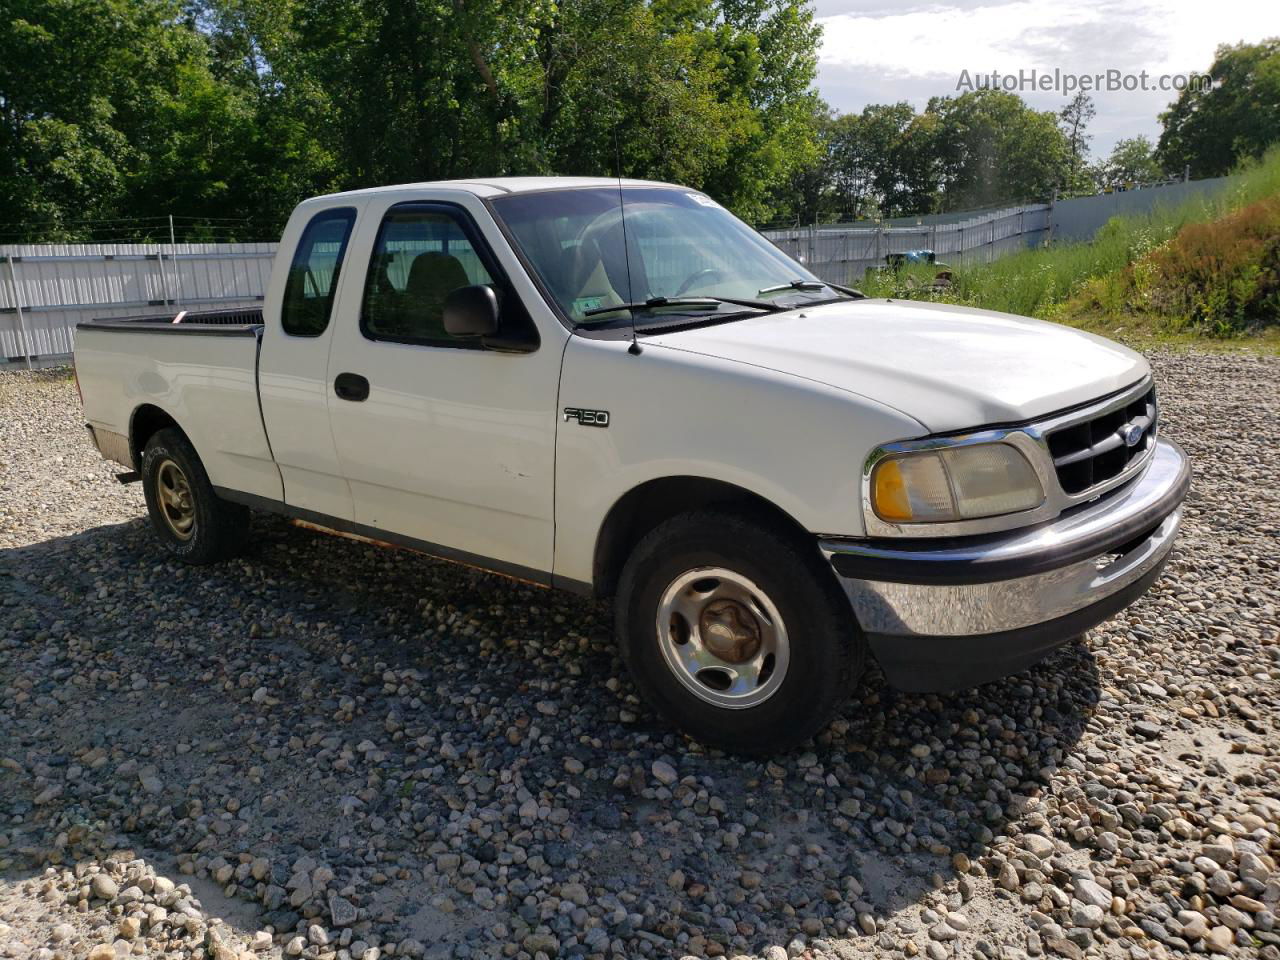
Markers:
177,508
723,638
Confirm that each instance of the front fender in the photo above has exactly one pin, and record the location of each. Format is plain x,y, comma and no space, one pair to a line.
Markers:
796,443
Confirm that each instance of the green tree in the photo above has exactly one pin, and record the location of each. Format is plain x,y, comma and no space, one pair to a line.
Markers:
1132,160
79,81
806,195
1074,119
993,148
243,107
1210,130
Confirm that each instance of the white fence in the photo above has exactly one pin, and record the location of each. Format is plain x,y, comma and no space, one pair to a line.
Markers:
46,289
843,253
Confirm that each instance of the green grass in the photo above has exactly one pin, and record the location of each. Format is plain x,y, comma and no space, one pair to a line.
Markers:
1042,282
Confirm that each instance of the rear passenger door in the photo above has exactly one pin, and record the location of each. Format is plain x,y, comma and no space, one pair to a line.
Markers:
443,441
300,314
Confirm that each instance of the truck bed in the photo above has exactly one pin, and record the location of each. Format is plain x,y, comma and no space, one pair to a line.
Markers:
202,323
198,368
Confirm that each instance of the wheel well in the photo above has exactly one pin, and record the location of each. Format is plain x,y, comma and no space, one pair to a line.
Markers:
146,420
642,509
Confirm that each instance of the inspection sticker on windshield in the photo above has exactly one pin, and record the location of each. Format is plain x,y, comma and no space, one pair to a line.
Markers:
699,198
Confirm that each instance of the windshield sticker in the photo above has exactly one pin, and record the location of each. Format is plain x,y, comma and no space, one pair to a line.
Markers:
699,198
583,304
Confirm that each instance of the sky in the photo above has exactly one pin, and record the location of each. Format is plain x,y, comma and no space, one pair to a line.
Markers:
880,51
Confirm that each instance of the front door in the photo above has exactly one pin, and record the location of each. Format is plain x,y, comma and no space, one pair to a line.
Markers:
442,439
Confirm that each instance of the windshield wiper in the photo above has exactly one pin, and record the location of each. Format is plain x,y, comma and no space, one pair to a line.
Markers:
793,285
848,291
705,302
814,285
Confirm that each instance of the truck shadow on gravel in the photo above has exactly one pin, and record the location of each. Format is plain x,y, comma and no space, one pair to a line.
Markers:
467,757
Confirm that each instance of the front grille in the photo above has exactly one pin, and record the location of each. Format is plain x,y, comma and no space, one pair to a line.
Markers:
1099,449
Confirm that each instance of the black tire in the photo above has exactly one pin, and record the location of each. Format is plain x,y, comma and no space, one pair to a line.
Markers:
827,651
217,529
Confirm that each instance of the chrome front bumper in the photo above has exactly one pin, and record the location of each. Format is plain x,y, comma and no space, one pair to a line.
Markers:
942,614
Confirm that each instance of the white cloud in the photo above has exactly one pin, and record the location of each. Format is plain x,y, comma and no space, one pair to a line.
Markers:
883,54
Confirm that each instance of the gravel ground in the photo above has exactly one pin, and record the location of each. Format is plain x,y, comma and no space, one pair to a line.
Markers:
328,750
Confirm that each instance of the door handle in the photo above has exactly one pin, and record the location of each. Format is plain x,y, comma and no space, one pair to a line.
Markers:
351,386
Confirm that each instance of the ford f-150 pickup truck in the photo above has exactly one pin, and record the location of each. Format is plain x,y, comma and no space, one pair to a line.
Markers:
618,388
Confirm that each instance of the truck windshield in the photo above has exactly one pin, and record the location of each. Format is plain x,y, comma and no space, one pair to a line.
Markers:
681,244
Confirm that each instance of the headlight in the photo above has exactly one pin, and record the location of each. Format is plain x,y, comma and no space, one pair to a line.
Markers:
960,483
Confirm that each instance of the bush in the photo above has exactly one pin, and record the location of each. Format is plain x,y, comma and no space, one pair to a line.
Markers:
1184,266
1221,278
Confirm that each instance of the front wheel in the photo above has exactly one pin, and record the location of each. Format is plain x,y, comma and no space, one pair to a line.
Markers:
736,632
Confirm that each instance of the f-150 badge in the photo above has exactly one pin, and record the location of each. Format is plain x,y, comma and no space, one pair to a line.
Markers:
587,418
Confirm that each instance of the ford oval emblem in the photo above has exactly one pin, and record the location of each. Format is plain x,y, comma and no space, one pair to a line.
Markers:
1132,434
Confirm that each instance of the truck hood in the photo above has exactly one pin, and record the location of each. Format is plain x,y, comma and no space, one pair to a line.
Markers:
951,368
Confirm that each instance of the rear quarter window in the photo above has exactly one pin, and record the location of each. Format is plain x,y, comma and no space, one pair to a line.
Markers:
313,274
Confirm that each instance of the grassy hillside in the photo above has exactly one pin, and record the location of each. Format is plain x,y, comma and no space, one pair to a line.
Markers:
1206,268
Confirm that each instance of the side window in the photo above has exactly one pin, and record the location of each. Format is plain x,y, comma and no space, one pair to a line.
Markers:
422,254
313,275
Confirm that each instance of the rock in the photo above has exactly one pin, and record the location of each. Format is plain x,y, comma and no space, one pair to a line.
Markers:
1089,891
664,772
943,932
1087,915
1008,877
103,951
219,944
1064,948
1219,939
1194,926
1039,845
541,943
152,785
104,887
342,912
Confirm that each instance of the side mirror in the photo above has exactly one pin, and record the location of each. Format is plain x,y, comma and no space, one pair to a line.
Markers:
471,311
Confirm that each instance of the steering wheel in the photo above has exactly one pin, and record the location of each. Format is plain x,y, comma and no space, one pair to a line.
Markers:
696,276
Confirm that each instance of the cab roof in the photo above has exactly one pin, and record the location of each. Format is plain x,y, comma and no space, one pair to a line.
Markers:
498,186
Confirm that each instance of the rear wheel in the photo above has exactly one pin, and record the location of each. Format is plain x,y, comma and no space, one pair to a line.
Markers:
736,632
192,521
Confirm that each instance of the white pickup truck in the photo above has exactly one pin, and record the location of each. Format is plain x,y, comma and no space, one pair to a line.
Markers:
618,388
